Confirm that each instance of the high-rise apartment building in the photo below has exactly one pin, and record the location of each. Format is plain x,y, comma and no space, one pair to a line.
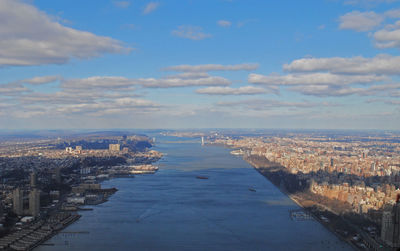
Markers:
34,202
391,224
18,204
57,174
33,179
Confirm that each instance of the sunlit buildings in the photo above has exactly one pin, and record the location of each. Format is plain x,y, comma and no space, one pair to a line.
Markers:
114,147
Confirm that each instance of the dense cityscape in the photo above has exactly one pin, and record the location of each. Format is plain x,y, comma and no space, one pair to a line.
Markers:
349,174
44,184
348,182
199,125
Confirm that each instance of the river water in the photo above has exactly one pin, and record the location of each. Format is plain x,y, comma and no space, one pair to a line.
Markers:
173,210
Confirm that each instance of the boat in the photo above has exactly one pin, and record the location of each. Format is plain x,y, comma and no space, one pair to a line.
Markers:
202,177
252,189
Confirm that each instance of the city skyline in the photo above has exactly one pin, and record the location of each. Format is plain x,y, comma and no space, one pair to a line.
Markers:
200,64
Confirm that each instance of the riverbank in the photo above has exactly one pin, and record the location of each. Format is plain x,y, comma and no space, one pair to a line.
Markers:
33,235
159,212
330,218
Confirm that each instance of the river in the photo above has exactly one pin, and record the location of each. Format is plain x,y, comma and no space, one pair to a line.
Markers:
173,210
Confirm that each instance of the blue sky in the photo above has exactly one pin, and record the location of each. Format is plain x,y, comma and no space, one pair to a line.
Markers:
200,64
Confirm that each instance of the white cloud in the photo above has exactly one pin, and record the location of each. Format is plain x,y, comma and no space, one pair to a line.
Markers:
263,104
327,90
122,83
31,37
380,64
388,37
212,67
360,21
190,32
98,82
394,13
40,80
68,96
189,75
182,82
383,89
367,3
312,79
244,90
150,7
122,4
224,23
12,89
101,108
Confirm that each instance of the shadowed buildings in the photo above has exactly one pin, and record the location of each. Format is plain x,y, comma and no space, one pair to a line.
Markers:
34,199
391,224
18,203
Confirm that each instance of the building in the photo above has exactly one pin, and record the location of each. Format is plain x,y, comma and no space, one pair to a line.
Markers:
114,147
18,203
57,174
78,148
390,233
33,179
34,202
69,149
85,187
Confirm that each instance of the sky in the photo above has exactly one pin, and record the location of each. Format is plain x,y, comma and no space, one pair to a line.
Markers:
315,64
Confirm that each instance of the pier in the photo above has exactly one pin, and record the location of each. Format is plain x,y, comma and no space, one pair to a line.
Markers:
300,215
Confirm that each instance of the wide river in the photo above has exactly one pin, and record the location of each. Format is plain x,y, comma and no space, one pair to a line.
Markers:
173,210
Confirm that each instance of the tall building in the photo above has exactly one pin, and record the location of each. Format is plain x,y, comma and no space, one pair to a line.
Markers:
57,174
114,147
18,204
34,202
202,140
33,179
390,233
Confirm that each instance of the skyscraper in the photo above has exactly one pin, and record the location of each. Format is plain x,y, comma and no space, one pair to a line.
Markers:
57,174
34,202
18,205
391,224
33,180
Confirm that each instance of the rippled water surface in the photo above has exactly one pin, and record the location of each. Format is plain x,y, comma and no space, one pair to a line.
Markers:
173,210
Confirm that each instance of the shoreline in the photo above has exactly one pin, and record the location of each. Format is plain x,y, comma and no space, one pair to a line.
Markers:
293,199
75,219
316,217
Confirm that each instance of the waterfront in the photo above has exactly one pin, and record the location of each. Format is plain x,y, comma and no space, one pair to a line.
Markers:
173,210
